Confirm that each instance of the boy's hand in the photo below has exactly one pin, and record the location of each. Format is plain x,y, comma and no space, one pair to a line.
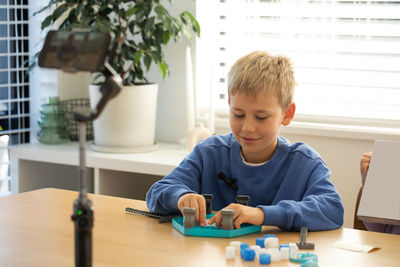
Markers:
194,201
364,165
243,214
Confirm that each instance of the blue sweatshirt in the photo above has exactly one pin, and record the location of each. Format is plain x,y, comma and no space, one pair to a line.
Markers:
292,188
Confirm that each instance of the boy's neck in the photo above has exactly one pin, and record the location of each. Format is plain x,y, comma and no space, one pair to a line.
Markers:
268,156
250,163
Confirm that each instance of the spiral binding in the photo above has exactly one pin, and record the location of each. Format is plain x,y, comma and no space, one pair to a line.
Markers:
162,218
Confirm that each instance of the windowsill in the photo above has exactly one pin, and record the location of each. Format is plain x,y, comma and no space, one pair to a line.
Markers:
342,131
329,130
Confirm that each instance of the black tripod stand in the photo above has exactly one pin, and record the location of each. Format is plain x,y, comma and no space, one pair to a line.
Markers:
83,208
74,51
83,216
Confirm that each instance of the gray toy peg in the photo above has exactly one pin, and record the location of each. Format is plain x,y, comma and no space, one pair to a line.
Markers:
227,219
208,198
242,199
188,217
303,237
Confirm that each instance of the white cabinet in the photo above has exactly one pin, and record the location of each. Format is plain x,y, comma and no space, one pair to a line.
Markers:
36,165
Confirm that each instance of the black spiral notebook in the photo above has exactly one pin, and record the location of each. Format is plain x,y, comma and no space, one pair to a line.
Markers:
162,218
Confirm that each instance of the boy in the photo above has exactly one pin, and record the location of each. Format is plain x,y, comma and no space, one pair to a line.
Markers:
288,184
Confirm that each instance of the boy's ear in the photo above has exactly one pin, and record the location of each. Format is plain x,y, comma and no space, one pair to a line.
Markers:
289,114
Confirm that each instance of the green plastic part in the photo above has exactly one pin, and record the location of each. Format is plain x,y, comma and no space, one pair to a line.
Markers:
212,231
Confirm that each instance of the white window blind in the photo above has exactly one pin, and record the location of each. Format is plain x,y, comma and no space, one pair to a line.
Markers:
346,53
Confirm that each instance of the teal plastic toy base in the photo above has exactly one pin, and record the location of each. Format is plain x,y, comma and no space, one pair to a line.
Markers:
303,257
212,231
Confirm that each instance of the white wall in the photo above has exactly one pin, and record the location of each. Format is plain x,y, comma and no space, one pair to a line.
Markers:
171,107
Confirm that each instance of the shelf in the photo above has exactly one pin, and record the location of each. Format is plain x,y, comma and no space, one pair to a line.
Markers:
38,165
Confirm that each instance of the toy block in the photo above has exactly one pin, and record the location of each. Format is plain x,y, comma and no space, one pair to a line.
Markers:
242,199
227,219
208,198
188,217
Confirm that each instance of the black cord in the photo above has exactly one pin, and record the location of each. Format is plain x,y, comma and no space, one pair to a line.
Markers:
229,181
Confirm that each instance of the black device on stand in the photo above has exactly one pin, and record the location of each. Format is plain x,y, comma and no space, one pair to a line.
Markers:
74,51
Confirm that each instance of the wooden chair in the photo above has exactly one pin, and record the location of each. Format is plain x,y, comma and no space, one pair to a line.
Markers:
358,224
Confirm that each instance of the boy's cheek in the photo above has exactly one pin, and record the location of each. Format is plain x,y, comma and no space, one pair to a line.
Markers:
234,124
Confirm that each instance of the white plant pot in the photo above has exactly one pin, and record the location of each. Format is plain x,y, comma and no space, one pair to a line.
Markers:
128,121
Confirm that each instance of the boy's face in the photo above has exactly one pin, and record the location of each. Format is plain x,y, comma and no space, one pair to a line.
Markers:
255,122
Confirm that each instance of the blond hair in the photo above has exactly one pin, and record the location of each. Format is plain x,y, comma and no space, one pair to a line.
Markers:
260,72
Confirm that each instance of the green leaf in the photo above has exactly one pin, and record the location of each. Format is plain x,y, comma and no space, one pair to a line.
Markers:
147,61
49,5
131,11
47,21
72,17
195,23
137,56
187,32
59,11
105,12
103,25
166,36
158,34
31,66
148,28
168,24
160,10
163,68
156,55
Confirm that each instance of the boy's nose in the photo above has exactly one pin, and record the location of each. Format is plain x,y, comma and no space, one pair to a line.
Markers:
248,126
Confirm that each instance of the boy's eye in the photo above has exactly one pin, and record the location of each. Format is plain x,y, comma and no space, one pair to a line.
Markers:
238,115
261,118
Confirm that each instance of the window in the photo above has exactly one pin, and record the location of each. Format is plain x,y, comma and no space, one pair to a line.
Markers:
346,54
20,94
14,85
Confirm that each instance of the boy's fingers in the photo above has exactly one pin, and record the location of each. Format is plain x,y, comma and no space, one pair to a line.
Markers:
214,218
182,204
237,223
211,220
202,211
218,219
193,204
235,216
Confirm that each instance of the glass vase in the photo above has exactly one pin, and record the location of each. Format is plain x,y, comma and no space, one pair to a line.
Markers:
53,122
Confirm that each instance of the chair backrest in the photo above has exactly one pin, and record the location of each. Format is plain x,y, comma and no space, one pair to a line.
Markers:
358,224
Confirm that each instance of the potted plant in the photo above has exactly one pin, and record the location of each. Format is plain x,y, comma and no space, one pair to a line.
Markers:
142,29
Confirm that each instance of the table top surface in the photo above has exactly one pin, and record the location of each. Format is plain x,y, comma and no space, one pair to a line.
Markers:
36,230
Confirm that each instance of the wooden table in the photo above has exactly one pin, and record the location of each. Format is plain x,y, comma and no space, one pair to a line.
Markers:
36,230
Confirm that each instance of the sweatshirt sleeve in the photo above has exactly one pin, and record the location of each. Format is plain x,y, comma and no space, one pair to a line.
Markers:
320,208
163,195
